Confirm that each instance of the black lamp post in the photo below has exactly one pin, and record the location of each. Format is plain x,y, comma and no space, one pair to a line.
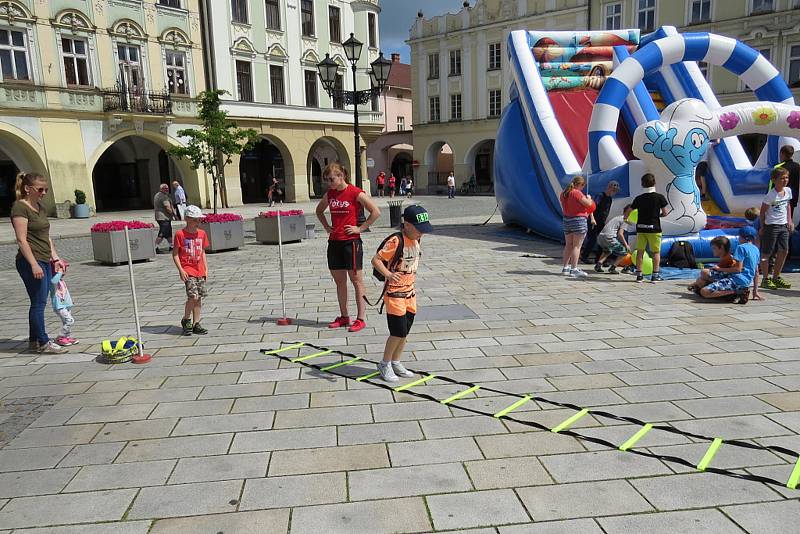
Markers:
379,74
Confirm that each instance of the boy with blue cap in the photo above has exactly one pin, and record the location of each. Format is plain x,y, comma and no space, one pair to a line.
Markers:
735,280
400,297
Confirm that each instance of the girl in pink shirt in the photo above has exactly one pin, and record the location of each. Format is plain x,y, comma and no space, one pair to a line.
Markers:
576,207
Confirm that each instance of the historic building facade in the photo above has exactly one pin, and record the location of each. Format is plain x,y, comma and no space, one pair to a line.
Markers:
264,54
92,93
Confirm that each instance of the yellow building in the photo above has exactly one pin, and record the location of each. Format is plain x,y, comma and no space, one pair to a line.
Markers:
91,93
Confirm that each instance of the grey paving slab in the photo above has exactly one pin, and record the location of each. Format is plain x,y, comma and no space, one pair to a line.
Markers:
192,408
178,447
28,459
476,509
130,430
186,499
476,425
765,518
584,499
116,476
270,403
125,527
27,483
725,406
379,433
407,481
271,440
368,517
527,444
65,509
94,453
311,417
291,491
223,467
739,427
258,522
434,451
701,490
214,424
507,473
350,398
700,522
584,526
237,390
344,458
601,465
48,436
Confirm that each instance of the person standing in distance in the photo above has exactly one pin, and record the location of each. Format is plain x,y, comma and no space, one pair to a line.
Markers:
180,198
451,185
162,205
345,249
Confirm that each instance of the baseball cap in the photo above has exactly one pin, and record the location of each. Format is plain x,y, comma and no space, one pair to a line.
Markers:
418,216
748,232
193,212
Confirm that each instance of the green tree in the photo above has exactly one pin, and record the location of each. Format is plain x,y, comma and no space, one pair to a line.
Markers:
212,145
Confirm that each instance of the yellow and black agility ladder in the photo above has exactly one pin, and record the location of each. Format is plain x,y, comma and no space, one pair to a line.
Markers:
341,369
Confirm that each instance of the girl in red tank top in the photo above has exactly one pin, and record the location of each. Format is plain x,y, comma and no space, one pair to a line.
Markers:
345,250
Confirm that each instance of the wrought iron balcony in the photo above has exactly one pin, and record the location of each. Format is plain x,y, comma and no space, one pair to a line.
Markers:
121,98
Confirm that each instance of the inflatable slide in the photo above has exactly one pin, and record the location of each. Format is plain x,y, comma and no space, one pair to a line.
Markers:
581,104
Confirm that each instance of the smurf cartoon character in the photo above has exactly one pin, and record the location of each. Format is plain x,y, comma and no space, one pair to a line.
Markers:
672,147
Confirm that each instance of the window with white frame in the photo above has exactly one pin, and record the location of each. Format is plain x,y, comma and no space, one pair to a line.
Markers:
338,95
495,103
170,3
310,83
762,6
372,30
244,81
494,56
239,11
75,53
307,17
455,62
176,72
434,109
276,84
14,63
273,13
401,123
455,107
613,16
335,24
433,66
794,66
699,11
646,15
130,68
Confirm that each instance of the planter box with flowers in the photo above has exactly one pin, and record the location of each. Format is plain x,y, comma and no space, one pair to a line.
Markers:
225,231
293,226
108,241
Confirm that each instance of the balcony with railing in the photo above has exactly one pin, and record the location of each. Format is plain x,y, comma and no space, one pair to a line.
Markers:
121,98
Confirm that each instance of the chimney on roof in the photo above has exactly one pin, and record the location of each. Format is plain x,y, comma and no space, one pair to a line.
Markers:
395,57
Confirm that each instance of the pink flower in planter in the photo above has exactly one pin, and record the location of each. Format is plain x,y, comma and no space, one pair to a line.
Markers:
287,213
118,226
729,121
793,119
211,218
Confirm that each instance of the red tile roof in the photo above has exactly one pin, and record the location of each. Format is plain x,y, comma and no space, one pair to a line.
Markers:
400,75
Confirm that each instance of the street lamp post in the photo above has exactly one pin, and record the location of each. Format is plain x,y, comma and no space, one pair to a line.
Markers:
379,74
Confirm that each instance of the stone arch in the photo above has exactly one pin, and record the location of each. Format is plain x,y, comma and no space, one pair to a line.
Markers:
73,20
480,159
277,51
439,162
325,150
195,190
127,29
309,57
175,37
12,10
269,157
18,152
242,45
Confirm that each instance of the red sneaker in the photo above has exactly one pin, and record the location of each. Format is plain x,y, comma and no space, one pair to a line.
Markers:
357,325
339,322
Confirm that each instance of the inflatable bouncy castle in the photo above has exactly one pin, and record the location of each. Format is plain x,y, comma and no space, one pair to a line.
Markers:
582,103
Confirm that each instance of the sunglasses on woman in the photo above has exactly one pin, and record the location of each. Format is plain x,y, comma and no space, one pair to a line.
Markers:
41,190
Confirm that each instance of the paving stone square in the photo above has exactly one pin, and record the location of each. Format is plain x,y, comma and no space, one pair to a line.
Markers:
214,436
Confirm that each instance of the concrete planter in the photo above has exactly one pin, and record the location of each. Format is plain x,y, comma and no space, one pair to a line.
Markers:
109,247
81,211
293,228
224,235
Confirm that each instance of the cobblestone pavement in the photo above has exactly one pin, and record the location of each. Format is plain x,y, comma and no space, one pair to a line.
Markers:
212,436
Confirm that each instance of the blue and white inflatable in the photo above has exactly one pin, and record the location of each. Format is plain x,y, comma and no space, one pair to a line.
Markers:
535,159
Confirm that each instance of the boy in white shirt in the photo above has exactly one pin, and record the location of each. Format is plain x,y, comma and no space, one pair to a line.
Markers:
612,241
776,227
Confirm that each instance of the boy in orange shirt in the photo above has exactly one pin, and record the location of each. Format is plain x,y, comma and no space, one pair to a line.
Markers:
190,258
400,296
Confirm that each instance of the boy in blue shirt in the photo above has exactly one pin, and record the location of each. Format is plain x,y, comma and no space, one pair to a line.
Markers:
735,280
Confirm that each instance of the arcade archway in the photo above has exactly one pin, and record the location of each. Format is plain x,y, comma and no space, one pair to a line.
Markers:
258,166
324,151
15,155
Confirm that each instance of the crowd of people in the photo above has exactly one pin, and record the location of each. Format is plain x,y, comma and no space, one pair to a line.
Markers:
390,185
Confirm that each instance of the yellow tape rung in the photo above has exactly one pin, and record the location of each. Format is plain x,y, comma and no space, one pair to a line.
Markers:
284,349
414,383
315,355
367,376
709,455
506,411
460,394
340,364
569,422
795,476
636,437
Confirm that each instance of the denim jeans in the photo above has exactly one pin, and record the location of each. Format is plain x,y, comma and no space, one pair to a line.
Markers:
38,291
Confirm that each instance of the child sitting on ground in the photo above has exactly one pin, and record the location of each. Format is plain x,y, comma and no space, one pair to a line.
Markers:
611,240
62,305
190,258
400,297
733,281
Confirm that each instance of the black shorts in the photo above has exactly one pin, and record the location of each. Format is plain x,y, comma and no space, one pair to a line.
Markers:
774,239
400,325
346,255
165,229
380,187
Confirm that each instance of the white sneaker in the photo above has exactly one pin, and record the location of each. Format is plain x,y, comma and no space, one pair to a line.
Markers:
578,273
565,271
399,370
387,373
51,348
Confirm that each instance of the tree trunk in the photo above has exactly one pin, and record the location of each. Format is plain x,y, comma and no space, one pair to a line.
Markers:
215,186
